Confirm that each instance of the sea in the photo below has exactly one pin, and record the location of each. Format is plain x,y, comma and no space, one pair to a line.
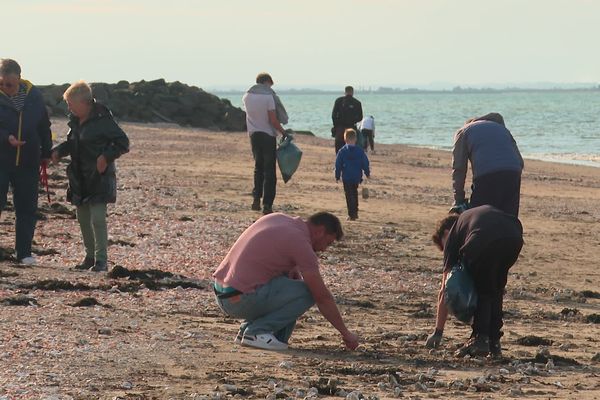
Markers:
561,126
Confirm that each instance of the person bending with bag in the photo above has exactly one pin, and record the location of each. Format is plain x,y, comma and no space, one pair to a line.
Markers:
488,242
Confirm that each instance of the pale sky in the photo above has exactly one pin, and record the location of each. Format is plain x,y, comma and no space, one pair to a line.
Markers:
305,43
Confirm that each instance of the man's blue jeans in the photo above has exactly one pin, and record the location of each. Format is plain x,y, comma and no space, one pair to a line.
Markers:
24,182
272,308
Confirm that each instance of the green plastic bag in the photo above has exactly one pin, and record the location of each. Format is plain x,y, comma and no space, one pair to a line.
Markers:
288,157
460,295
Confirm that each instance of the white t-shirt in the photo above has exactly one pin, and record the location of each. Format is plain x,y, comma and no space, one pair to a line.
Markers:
368,123
257,117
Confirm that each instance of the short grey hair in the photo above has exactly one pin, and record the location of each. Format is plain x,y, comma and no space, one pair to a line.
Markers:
79,90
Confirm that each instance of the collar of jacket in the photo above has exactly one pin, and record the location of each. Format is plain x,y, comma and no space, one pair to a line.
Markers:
260,88
5,100
98,111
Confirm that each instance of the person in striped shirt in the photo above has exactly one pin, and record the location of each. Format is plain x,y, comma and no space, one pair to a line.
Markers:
25,143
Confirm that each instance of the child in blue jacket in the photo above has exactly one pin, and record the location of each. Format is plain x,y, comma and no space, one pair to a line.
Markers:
350,163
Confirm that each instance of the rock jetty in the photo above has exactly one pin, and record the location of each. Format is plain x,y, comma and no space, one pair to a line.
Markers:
157,101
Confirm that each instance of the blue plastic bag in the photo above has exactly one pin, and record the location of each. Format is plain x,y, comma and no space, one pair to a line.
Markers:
288,157
460,295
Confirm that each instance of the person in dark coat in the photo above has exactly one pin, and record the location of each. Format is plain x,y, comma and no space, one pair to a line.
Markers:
25,143
94,142
496,164
487,241
346,113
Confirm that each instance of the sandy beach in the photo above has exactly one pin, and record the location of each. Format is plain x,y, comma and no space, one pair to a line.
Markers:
184,197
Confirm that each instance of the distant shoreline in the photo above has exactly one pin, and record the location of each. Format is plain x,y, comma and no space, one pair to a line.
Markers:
456,90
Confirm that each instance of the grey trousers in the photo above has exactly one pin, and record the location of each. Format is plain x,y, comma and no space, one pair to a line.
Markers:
272,308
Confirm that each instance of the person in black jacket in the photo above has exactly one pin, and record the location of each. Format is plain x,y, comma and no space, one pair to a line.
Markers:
25,143
487,241
94,142
347,112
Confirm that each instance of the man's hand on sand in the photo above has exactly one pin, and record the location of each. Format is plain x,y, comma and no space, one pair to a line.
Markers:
351,340
14,142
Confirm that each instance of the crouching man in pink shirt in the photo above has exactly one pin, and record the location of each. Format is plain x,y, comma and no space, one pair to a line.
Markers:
270,277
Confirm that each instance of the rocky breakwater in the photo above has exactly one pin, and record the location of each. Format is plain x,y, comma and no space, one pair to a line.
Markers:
157,101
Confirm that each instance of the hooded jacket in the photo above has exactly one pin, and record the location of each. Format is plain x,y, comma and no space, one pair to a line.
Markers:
280,111
31,125
98,135
350,163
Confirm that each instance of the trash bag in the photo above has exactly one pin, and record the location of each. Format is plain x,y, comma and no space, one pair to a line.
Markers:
460,295
288,157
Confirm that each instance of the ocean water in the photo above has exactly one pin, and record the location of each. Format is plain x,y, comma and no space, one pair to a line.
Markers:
561,126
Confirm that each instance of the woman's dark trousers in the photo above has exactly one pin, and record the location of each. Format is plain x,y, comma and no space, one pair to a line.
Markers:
490,274
24,183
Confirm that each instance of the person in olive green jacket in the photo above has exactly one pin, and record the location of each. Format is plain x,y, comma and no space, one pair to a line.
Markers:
94,142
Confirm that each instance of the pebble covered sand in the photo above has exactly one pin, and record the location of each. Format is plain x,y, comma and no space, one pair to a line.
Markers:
151,329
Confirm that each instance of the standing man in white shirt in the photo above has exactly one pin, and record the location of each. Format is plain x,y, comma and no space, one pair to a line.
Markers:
264,116
367,128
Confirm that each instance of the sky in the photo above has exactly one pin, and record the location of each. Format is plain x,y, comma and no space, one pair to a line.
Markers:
223,44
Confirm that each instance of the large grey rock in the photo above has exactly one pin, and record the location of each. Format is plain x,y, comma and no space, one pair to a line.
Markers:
156,101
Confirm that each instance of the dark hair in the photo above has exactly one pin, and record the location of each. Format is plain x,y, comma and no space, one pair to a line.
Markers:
331,223
443,226
263,77
9,66
348,89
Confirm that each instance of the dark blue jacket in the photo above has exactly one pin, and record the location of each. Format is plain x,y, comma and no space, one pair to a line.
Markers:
35,130
350,163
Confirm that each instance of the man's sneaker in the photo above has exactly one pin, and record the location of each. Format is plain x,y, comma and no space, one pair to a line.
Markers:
87,263
99,266
264,341
256,205
238,338
29,261
267,210
475,347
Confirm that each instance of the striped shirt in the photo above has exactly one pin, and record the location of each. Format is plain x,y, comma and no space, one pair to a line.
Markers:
18,99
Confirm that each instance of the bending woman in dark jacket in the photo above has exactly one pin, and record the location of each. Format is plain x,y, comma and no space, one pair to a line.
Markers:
94,142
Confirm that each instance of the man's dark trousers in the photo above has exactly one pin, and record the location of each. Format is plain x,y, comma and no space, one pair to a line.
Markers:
265,178
24,183
351,192
490,274
500,189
